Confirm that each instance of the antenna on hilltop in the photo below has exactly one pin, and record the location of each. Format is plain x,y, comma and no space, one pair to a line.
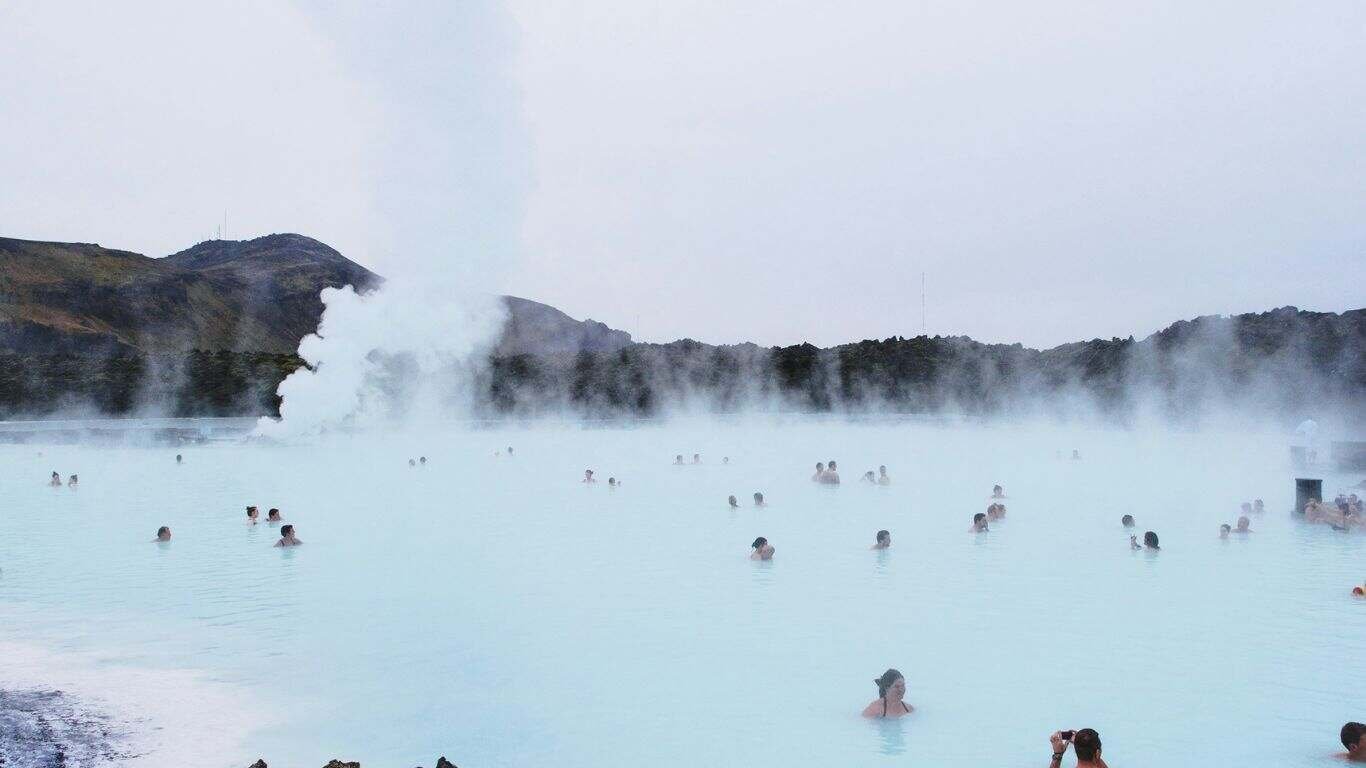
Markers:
923,332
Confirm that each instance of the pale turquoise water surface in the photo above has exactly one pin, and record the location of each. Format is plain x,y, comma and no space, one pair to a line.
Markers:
500,612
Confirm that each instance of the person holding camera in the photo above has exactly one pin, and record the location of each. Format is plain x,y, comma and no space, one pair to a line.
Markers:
1085,742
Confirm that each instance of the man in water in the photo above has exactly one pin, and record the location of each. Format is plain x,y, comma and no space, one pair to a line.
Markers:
820,472
979,523
273,516
733,503
1353,736
509,450
287,537
884,540
831,476
612,483
179,458
163,534
1223,531
997,492
422,460
759,500
882,476
725,459
412,462
1243,524
588,476
762,550
1085,742
1127,521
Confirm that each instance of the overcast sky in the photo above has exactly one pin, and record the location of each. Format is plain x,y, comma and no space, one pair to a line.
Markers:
769,170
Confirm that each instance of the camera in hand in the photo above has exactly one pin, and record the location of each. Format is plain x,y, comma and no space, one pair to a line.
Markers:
1067,735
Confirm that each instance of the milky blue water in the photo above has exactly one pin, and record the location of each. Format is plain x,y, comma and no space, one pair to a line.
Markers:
500,612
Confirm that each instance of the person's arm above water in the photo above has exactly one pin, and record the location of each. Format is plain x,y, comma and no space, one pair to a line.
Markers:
1059,747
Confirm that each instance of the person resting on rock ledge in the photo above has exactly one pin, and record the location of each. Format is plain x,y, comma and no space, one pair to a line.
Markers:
287,537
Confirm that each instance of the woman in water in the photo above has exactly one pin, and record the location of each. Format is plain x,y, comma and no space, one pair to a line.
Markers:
1223,531
163,534
762,550
979,523
1243,524
884,540
273,516
588,476
1150,541
759,500
56,481
891,697
287,538
252,515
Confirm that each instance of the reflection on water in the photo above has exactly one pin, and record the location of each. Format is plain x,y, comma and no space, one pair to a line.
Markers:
891,735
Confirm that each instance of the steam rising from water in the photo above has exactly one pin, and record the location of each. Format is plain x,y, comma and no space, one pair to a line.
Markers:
404,351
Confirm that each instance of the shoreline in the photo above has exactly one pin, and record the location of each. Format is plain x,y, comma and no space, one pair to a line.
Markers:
78,709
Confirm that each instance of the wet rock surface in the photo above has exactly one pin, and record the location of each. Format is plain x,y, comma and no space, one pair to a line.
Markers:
48,729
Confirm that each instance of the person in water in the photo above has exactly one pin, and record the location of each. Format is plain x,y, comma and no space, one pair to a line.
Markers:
588,476
882,477
1085,742
891,696
1076,455
725,459
252,515
697,458
56,481
163,534
820,472
1224,530
996,511
179,458
611,482
1353,738
733,503
509,450
979,523
832,473
422,460
71,483
273,516
1258,507
759,500
1243,524
287,537
997,492
412,462
1133,542
1127,521
1150,541
884,540
869,478
761,549
678,460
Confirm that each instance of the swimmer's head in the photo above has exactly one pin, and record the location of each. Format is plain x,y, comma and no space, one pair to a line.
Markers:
1223,530
422,459
882,468
1243,523
731,500
273,514
1086,743
696,457
1127,521
252,513
286,531
891,682
611,481
832,465
996,489
1353,737
588,474
725,459
1359,591
1150,540
884,537
179,458
758,498
251,509
758,543
820,467
163,533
